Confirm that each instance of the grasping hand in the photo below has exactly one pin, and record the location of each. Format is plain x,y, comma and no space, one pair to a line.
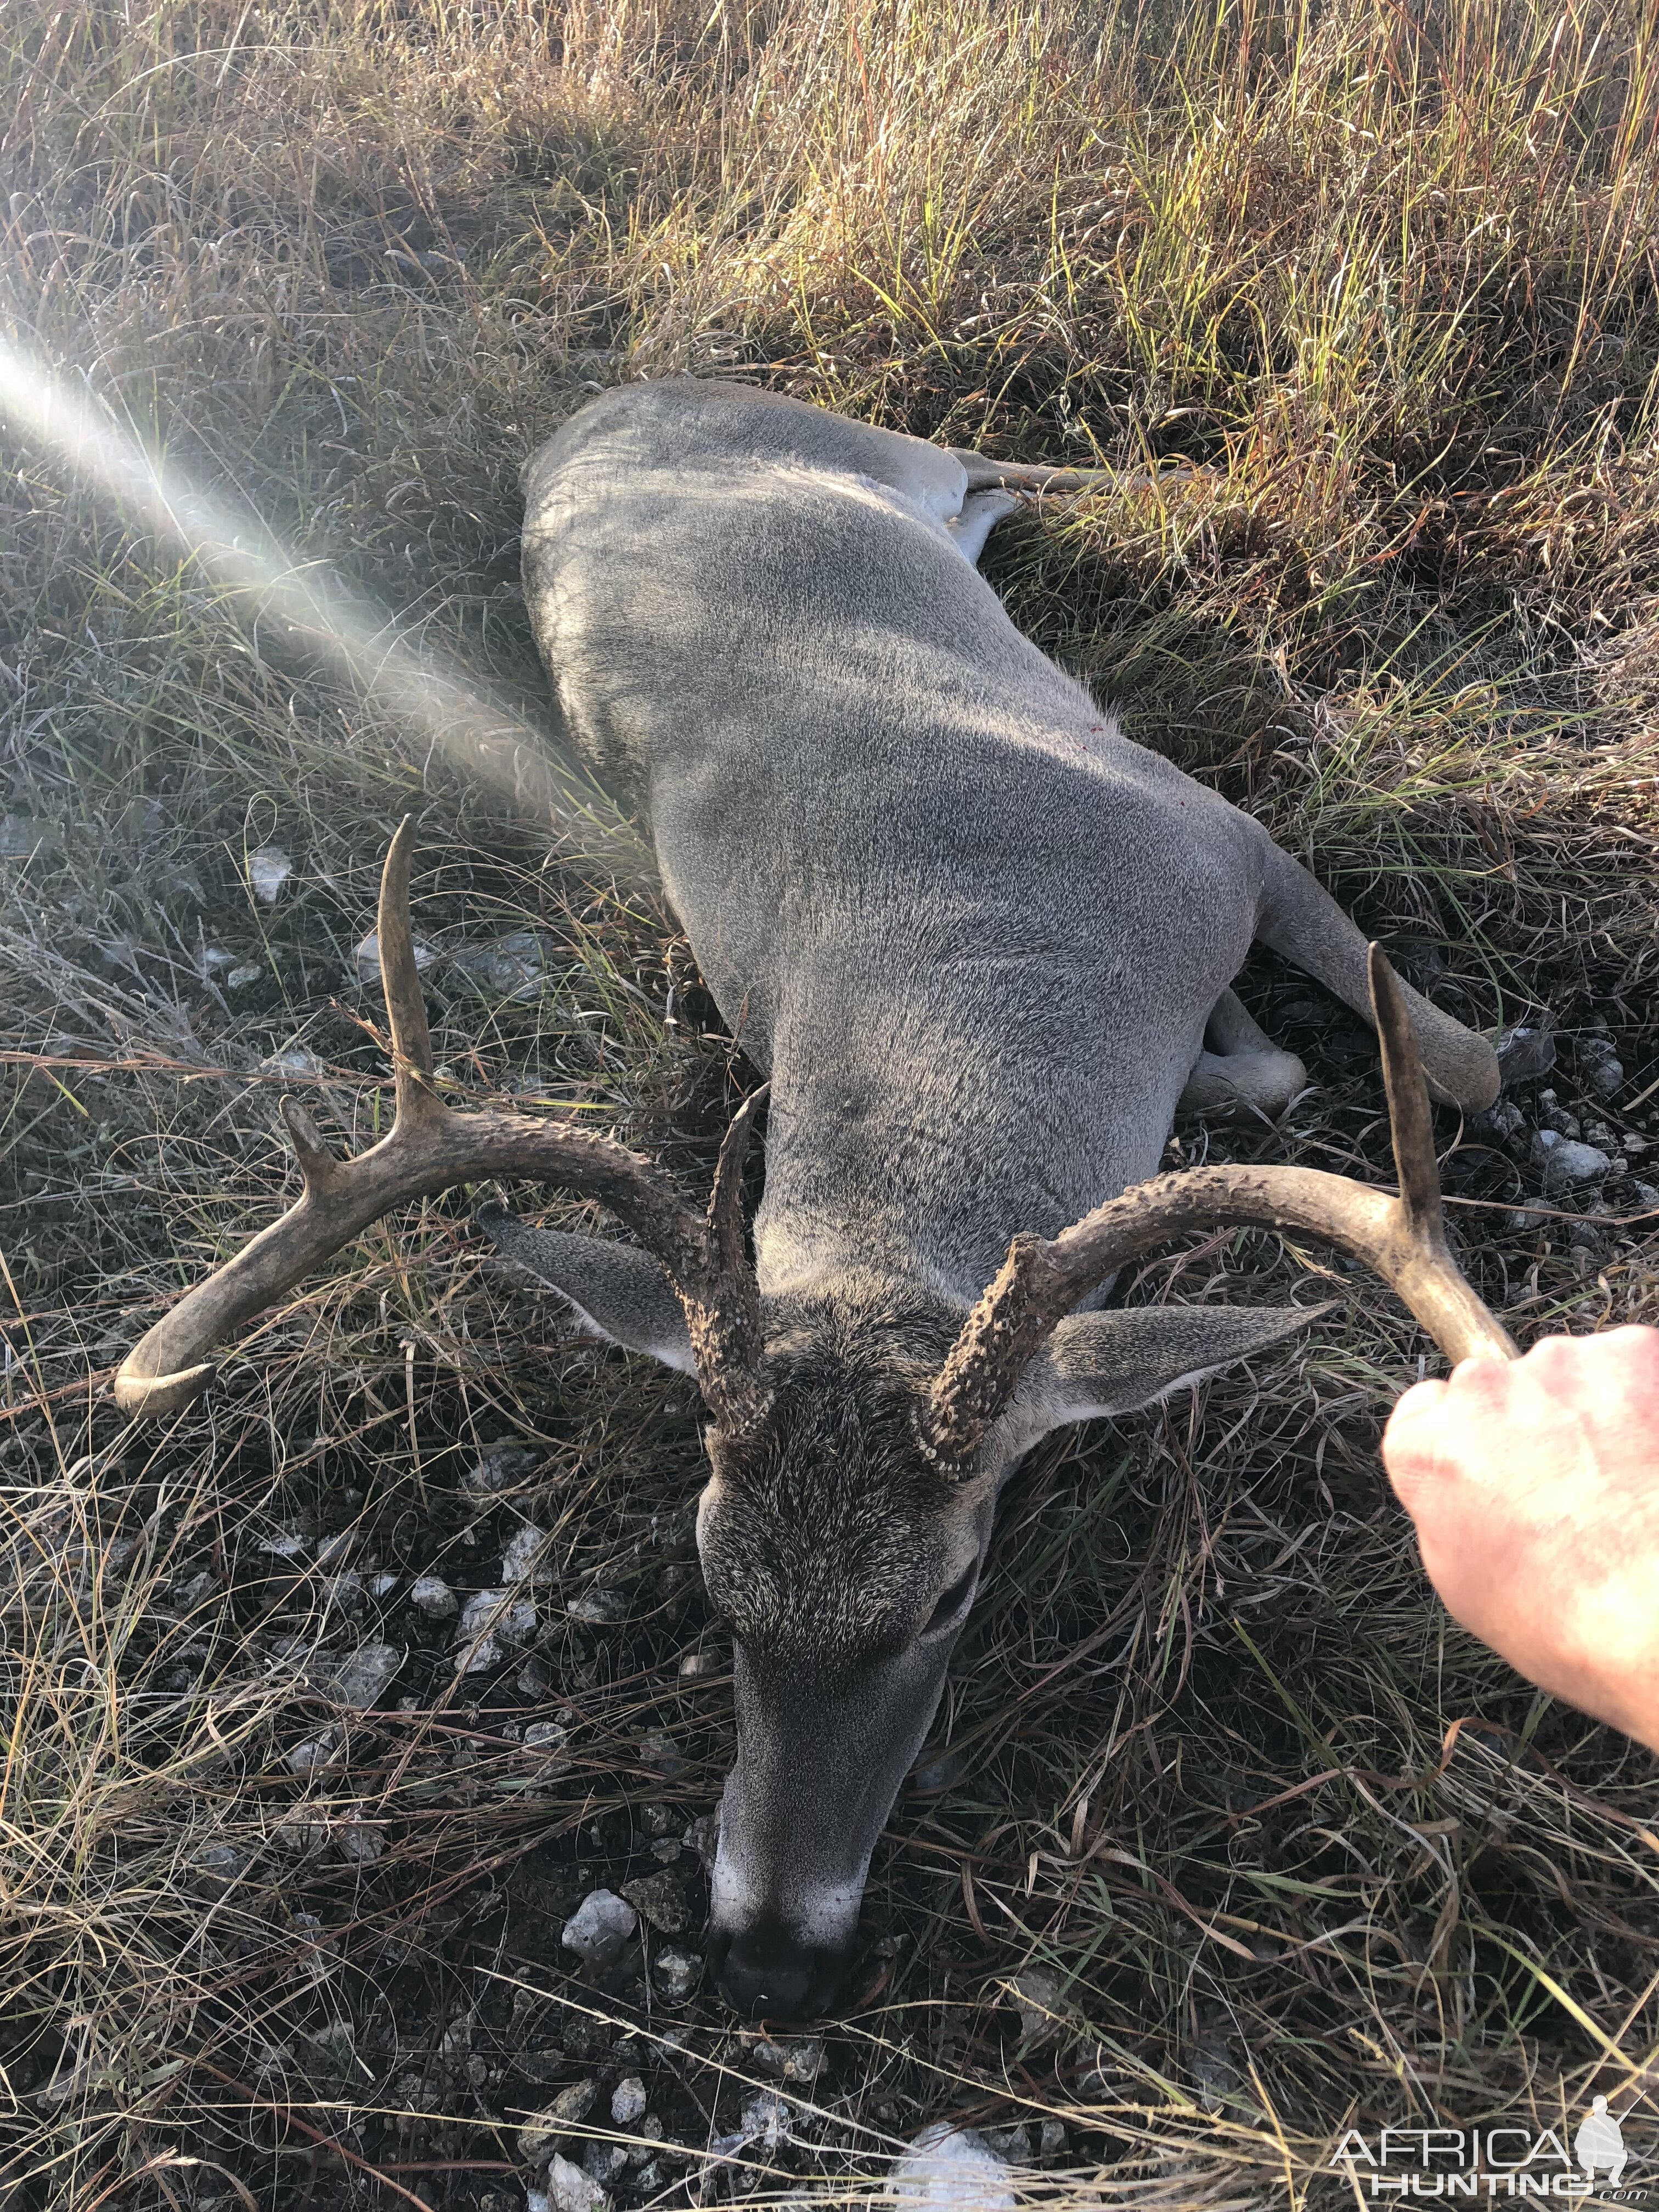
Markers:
1534,1487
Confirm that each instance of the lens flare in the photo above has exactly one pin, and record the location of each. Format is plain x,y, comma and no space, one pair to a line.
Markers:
323,619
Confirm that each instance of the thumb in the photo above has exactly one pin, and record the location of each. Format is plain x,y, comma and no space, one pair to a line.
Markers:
1412,1406
1409,1441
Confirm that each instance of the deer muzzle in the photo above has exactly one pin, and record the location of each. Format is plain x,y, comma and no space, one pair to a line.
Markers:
817,1769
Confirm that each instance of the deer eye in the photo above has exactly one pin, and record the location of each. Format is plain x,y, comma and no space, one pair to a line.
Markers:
954,1600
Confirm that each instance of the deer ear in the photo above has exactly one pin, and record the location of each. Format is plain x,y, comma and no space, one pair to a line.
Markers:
1116,1362
615,1290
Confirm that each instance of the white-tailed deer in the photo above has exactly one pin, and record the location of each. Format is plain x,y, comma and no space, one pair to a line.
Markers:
981,945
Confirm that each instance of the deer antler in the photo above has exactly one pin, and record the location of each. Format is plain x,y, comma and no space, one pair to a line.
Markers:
1402,1238
430,1149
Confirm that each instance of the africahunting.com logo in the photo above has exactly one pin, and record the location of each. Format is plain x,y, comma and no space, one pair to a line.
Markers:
1499,2161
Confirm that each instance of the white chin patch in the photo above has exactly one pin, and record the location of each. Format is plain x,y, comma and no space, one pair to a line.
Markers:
824,1916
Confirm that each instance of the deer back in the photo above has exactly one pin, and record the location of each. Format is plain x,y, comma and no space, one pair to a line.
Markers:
971,931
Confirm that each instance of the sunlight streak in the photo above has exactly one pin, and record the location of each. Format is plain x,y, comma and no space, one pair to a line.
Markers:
428,691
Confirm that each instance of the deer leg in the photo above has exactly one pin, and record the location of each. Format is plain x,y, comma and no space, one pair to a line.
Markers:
982,511
1026,475
1241,1069
1301,920
1031,477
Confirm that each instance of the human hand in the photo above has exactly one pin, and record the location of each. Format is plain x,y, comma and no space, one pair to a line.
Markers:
1534,1487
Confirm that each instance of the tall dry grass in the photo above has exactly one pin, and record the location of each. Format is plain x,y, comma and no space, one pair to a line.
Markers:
1293,1853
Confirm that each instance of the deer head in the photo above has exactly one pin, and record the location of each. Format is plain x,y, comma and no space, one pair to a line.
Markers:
857,1442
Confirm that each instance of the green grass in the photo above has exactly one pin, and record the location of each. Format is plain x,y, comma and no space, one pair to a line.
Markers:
1295,1854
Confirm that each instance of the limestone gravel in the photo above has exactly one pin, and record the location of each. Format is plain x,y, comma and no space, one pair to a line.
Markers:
678,1973
954,2170
432,1595
627,2101
600,1929
493,1624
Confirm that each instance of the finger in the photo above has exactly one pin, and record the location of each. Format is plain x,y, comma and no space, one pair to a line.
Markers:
1482,1378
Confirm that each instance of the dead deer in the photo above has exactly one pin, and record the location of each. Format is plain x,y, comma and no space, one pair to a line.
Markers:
981,945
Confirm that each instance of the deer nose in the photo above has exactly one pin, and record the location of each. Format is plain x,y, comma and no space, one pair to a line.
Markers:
769,1974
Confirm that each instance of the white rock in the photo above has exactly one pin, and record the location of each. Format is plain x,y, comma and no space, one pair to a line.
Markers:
362,1677
567,2110
1567,1166
703,1837
1012,2143
765,2120
432,1595
525,1559
243,975
570,2190
658,1751
224,1862
493,1623
1600,1066
600,1606
510,967
1524,1054
799,2058
600,1929
677,1974
297,1833
627,2101
366,957
316,1751
1038,1994
503,1467
954,2169
286,1543
357,1840
641,2151
549,1741
268,870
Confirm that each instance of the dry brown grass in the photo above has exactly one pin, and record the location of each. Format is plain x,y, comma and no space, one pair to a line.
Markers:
1297,1853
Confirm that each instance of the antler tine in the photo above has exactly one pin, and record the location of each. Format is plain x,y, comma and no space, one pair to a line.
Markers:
1411,1125
1402,1238
430,1149
726,1208
729,1307
400,978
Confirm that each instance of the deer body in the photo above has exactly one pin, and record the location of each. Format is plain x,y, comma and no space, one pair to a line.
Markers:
975,937
981,944
973,934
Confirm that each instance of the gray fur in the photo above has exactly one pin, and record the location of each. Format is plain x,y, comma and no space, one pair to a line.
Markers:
982,944
616,1290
